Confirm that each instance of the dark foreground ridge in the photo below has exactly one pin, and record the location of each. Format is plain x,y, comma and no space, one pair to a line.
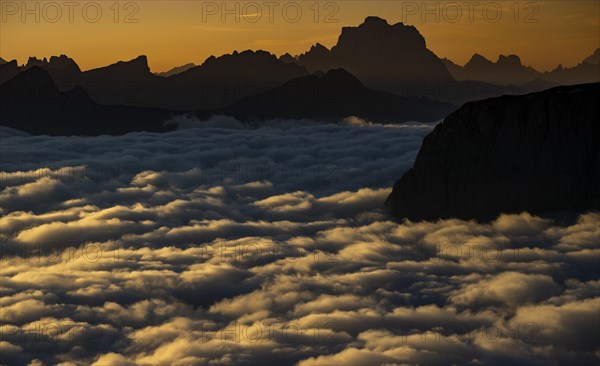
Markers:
538,153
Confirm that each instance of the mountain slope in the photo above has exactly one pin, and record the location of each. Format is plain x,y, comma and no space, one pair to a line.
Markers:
332,96
507,70
176,70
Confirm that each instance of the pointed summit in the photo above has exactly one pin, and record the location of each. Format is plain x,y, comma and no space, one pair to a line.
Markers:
319,48
478,59
288,59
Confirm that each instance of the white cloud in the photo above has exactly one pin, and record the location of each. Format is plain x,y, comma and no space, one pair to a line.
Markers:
222,244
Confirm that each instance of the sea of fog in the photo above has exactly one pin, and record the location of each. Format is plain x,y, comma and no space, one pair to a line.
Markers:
222,244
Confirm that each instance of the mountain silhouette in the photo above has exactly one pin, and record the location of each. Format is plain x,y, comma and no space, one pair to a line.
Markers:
390,58
586,71
62,69
218,82
508,70
32,102
288,59
380,55
332,96
61,62
395,58
2,61
538,153
176,70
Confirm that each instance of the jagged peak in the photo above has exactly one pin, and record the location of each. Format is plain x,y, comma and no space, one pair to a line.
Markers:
63,62
375,20
55,62
34,61
318,47
509,60
478,58
287,58
257,55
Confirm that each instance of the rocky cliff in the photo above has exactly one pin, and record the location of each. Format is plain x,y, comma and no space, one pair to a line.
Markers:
538,153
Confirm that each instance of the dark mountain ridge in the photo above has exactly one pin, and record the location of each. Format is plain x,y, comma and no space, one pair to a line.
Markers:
32,102
218,82
508,70
333,96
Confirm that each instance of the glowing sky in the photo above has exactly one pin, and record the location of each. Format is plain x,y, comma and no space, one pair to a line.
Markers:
172,33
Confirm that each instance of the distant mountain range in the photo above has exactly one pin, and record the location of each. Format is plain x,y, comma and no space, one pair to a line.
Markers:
390,75
32,102
216,83
508,70
395,58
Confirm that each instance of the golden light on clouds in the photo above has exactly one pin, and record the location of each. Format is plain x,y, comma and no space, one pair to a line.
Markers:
171,33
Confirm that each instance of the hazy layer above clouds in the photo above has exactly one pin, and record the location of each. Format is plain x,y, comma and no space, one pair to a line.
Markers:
231,245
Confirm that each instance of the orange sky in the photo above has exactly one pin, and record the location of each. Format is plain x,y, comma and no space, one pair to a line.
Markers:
172,33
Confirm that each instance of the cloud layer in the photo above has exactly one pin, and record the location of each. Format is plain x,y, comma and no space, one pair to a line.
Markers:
219,244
